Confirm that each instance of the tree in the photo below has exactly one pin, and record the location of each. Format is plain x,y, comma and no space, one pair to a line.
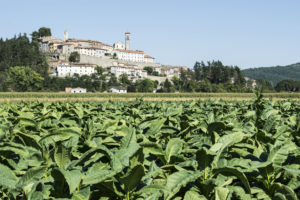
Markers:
74,57
266,86
131,88
155,73
99,70
145,85
167,86
113,81
197,70
43,32
149,70
22,79
124,79
288,86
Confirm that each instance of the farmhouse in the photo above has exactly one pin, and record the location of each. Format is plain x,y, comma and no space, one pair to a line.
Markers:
75,90
118,89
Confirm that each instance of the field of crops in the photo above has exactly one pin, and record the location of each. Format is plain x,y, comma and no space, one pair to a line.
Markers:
54,96
110,150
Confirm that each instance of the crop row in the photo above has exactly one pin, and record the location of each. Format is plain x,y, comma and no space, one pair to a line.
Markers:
4,95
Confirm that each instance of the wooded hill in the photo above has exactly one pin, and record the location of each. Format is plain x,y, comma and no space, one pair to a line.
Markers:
274,74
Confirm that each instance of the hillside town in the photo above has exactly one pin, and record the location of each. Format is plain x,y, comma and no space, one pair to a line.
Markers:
118,59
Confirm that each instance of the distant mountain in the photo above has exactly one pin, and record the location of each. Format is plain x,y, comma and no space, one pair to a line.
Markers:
274,74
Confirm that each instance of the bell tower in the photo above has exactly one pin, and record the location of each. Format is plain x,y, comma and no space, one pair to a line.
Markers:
66,35
127,41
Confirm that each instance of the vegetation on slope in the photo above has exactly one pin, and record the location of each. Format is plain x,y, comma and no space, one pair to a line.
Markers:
274,74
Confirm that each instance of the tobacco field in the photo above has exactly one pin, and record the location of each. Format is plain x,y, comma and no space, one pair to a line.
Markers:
191,150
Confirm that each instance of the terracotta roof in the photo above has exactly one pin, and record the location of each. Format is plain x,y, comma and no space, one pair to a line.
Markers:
147,56
130,51
127,33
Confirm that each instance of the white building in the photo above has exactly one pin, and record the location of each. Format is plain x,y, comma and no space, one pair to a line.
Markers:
132,72
69,69
118,89
129,55
157,69
148,59
119,45
91,51
75,90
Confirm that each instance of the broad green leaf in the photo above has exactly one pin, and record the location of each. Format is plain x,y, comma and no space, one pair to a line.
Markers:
155,127
235,172
133,178
8,178
192,195
62,156
32,175
180,179
221,193
174,148
72,178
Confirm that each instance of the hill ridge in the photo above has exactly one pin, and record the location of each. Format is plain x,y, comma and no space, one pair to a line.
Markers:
274,74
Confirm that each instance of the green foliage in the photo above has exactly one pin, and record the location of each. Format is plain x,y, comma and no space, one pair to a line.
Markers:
145,85
288,86
42,32
149,70
274,74
264,85
74,57
20,51
24,79
150,150
124,80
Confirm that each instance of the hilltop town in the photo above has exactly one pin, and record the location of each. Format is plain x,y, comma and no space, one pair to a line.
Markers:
47,63
118,58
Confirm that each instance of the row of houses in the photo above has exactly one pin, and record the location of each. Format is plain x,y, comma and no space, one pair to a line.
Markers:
64,69
63,48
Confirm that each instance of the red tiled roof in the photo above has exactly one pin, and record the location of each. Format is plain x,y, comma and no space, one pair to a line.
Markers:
147,56
130,51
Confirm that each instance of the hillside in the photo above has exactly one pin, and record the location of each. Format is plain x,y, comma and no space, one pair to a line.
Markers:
274,74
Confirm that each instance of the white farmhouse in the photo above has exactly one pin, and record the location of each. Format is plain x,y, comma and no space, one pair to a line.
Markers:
75,90
69,69
118,89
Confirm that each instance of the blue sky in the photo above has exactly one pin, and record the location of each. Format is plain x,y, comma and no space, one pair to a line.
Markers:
246,33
